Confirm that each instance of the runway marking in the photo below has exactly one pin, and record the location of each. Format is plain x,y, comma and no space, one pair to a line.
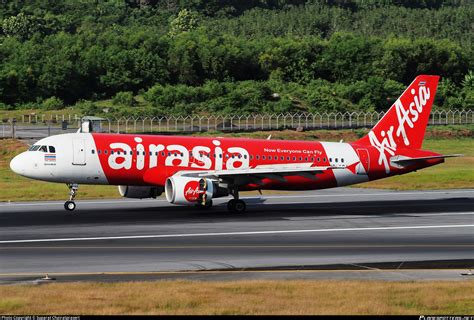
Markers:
239,233
118,201
247,246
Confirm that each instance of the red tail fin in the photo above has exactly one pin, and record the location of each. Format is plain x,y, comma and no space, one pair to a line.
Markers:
404,124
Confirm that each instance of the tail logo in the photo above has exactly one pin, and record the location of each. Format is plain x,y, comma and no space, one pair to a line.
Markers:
387,145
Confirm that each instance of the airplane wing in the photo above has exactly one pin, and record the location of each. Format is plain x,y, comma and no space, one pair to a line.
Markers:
256,175
406,161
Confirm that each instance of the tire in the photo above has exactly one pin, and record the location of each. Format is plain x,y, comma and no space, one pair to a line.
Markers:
231,205
70,205
239,206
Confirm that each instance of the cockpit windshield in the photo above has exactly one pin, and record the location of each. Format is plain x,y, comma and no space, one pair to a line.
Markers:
42,148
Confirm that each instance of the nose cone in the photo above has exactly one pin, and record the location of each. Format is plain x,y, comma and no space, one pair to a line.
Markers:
18,164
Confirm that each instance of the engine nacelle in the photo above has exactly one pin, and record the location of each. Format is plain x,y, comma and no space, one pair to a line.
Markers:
190,191
140,192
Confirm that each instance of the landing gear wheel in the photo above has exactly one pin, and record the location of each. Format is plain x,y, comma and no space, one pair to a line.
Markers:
70,205
236,206
231,205
239,206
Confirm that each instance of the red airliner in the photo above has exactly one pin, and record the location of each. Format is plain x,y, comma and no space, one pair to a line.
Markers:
195,170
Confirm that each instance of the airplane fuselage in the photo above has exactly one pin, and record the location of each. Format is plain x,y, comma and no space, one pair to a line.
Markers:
140,160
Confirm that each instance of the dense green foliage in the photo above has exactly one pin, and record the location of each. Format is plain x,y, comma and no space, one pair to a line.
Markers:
195,56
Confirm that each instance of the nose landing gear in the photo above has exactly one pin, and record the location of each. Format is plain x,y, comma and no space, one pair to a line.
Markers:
70,205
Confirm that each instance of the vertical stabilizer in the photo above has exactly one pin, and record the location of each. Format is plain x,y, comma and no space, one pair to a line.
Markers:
404,124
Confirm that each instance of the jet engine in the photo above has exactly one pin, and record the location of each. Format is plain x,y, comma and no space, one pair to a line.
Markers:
140,192
191,191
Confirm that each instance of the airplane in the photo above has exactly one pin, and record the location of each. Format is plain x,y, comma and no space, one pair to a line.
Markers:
193,171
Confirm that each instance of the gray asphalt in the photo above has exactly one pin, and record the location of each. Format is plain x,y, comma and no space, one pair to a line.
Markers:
346,227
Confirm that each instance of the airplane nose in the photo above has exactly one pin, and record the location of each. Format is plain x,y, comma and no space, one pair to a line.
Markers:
17,165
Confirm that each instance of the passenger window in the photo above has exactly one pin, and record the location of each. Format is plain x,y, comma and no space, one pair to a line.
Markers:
301,158
336,159
324,159
106,151
294,158
288,158
342,160
319,159
263,157
258,157
111,151
98,151
330,159
52,149
93,151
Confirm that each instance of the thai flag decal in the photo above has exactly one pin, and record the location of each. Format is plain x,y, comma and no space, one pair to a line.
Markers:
50,157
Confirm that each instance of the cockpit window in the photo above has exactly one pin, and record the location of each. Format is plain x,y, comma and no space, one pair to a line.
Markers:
52,149
33,148
43,149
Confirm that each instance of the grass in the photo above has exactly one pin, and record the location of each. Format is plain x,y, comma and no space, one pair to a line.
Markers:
241,297
454,173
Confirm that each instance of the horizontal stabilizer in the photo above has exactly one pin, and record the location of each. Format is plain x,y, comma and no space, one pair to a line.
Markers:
405,161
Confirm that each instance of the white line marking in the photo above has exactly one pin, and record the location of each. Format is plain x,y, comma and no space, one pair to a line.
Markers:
316,196
242,233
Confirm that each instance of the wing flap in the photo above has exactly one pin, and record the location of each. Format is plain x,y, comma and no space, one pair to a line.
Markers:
255,175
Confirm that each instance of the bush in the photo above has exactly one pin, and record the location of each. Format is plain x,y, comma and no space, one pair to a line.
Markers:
52,103
87,108
124,98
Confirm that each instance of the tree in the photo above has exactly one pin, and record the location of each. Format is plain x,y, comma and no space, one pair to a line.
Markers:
21,26
185,21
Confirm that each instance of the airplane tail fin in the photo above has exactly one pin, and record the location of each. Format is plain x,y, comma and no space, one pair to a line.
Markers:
404,124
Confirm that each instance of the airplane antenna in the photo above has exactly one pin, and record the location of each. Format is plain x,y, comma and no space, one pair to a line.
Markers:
269,137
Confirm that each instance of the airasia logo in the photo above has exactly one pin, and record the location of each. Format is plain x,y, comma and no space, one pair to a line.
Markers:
406,117
191,191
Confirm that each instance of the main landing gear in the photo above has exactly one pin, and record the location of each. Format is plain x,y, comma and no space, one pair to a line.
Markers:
236,205
71,205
